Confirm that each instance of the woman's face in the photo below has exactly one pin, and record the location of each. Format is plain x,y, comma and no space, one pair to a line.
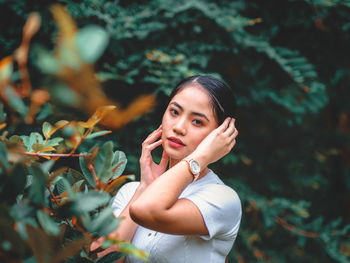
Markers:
188,119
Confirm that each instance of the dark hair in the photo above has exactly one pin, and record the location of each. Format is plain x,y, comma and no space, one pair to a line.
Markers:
222,97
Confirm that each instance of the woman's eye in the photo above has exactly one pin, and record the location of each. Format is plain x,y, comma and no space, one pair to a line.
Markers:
174,112
197,122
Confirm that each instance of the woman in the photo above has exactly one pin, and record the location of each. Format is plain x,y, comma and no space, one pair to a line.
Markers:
184,213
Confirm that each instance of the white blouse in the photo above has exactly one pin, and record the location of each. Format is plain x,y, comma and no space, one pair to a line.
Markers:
220,207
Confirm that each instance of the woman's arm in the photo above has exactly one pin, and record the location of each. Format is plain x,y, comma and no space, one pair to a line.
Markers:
149,171
159,208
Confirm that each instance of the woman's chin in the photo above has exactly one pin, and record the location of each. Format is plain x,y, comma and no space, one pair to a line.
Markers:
175,154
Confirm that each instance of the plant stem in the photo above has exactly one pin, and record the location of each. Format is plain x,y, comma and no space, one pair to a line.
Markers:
56,154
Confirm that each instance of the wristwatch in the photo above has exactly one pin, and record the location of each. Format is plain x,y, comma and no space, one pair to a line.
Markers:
194,168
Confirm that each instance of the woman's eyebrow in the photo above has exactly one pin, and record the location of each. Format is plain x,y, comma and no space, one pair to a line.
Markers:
193,112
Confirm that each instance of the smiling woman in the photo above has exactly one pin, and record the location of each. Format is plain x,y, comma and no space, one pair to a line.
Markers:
184,213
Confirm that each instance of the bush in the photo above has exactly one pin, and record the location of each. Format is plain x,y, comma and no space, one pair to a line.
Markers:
287,62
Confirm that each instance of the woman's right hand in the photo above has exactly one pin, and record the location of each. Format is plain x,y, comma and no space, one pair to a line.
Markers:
149,169
218,143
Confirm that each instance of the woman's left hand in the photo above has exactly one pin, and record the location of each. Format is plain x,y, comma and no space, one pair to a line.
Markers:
218,143
149,169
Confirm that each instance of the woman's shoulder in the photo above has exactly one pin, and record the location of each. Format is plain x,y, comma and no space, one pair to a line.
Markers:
221,193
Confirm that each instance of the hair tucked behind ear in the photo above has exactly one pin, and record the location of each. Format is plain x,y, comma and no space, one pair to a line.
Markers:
222,97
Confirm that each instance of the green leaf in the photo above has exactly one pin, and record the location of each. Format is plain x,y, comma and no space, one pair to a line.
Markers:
46,166
10,241
96,134
36,147
16,139
30,260
86,172
70,249
103,161
24,214
13,184
110,257
2,113
91,42
47,127
119,160
38,186
104,223
33,138
6,68
47,223
16,102
64,95
54,141
17,179
44,112
47,62
129,248
60,186
88,202
66,186
3,155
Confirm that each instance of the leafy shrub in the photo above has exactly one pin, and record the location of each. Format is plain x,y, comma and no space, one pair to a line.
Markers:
52,207
288,64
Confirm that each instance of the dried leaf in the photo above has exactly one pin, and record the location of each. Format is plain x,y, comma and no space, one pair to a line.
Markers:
120,118
58,125
31,26
6,68
97,116
114,186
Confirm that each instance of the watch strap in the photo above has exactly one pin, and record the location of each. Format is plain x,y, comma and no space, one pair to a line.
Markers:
188,161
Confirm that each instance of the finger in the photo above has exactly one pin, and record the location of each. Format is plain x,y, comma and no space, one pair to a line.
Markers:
153,136
224,125
164,161
231,128
234,135
233,143
154,145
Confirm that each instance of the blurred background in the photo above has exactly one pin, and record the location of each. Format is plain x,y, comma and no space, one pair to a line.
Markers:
286,60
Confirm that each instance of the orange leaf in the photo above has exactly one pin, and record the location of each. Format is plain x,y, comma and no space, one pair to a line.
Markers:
115,184
2,125
39,96
31,26
6,67
139,106
58,125
258,253
97,116
47,149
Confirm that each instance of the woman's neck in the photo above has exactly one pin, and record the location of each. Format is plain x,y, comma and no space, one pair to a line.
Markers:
203,172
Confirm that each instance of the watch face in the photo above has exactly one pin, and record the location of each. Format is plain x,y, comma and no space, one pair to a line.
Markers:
195,167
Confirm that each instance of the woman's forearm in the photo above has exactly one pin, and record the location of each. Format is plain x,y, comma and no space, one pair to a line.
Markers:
161,195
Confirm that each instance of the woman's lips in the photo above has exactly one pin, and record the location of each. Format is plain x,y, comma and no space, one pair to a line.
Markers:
175,142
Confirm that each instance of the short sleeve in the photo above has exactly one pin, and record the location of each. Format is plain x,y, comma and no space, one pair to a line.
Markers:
221,209
123,197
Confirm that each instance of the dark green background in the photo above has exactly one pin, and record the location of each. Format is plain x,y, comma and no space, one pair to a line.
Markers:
290,73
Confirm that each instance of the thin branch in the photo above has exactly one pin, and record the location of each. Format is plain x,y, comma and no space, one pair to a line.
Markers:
53,196
81,140
93,171
292,228
55,154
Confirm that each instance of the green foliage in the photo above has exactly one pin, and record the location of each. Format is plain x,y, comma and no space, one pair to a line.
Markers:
288,64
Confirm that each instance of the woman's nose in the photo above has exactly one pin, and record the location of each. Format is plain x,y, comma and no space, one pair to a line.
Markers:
180,126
